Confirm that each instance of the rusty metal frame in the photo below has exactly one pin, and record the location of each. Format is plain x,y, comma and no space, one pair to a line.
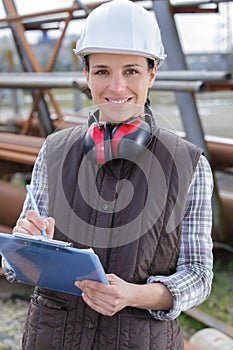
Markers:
48,69
34,65
22,24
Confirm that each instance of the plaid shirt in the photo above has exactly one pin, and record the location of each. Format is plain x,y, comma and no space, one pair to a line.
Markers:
190,285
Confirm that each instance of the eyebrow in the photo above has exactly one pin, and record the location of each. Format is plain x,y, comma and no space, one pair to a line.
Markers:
125,66
133,65
99,66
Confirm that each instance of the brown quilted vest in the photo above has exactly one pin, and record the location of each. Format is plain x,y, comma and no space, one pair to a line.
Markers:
133,239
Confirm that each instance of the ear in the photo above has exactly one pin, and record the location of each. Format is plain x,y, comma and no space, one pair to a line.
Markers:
152,75
87,77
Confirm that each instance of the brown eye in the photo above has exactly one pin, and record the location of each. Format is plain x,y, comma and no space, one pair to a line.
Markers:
131,71
101,72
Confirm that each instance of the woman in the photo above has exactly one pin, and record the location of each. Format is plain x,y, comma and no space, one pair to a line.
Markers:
139,195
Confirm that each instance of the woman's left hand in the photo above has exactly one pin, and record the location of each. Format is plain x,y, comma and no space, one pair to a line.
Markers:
106,299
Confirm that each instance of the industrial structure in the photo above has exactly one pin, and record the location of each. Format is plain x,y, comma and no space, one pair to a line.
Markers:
18,150
177,78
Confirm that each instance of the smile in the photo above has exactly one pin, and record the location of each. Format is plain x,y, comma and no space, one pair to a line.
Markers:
118,102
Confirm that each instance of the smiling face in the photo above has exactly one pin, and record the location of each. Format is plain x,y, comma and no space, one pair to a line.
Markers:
119,84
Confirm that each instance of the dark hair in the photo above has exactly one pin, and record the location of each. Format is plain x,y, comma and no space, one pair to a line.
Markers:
86,62
150,63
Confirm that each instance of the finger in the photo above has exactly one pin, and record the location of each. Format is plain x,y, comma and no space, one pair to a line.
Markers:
106,298
35,218
93,290
112,278
92,285
99,306
46,224
101,291
27,227
20,229
100,297
50,224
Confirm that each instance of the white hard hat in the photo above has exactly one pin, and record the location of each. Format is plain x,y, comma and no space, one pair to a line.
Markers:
121,27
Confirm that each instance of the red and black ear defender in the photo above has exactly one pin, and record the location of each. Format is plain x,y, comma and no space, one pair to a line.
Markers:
104,141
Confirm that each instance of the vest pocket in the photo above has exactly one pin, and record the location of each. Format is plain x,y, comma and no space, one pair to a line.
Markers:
140,332
45,323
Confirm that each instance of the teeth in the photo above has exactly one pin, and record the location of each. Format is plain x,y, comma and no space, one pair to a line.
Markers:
118,101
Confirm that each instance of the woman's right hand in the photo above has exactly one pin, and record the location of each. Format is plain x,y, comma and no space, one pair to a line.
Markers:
32,225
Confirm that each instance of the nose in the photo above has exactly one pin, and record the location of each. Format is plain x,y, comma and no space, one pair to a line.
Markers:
117,84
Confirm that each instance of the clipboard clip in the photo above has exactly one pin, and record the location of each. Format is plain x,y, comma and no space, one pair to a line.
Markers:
43,239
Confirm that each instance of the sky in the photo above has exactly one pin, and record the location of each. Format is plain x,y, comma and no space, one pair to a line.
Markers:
198,32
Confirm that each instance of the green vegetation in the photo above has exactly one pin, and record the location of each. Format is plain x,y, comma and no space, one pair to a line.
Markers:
220,303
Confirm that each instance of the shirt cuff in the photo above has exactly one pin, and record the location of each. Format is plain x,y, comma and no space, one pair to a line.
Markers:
176,310
8,271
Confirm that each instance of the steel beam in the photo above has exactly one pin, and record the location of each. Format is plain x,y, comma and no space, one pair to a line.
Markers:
185,100
29,63
176,61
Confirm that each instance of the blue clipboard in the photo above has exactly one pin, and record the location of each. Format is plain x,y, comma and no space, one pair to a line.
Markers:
50,264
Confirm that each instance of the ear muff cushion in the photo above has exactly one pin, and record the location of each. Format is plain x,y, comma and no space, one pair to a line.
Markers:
94,143
139,132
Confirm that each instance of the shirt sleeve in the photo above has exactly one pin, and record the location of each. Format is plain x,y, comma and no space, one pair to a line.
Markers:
39,185
190,285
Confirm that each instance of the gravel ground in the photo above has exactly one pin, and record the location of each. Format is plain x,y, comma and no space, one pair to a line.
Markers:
14,303
13,314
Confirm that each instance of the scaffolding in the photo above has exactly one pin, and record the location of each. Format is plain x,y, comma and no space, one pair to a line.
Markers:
18,152
176,78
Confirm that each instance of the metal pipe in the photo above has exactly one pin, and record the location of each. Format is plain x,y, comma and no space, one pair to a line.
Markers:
221,150
198,3
12,198
165,80
58,81
207,76
210,321
179,86
182,75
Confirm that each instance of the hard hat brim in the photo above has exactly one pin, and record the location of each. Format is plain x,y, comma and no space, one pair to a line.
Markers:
88,51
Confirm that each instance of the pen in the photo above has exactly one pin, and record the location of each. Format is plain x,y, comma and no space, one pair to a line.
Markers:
29,191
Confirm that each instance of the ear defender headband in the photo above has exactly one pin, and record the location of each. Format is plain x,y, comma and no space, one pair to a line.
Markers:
104,142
